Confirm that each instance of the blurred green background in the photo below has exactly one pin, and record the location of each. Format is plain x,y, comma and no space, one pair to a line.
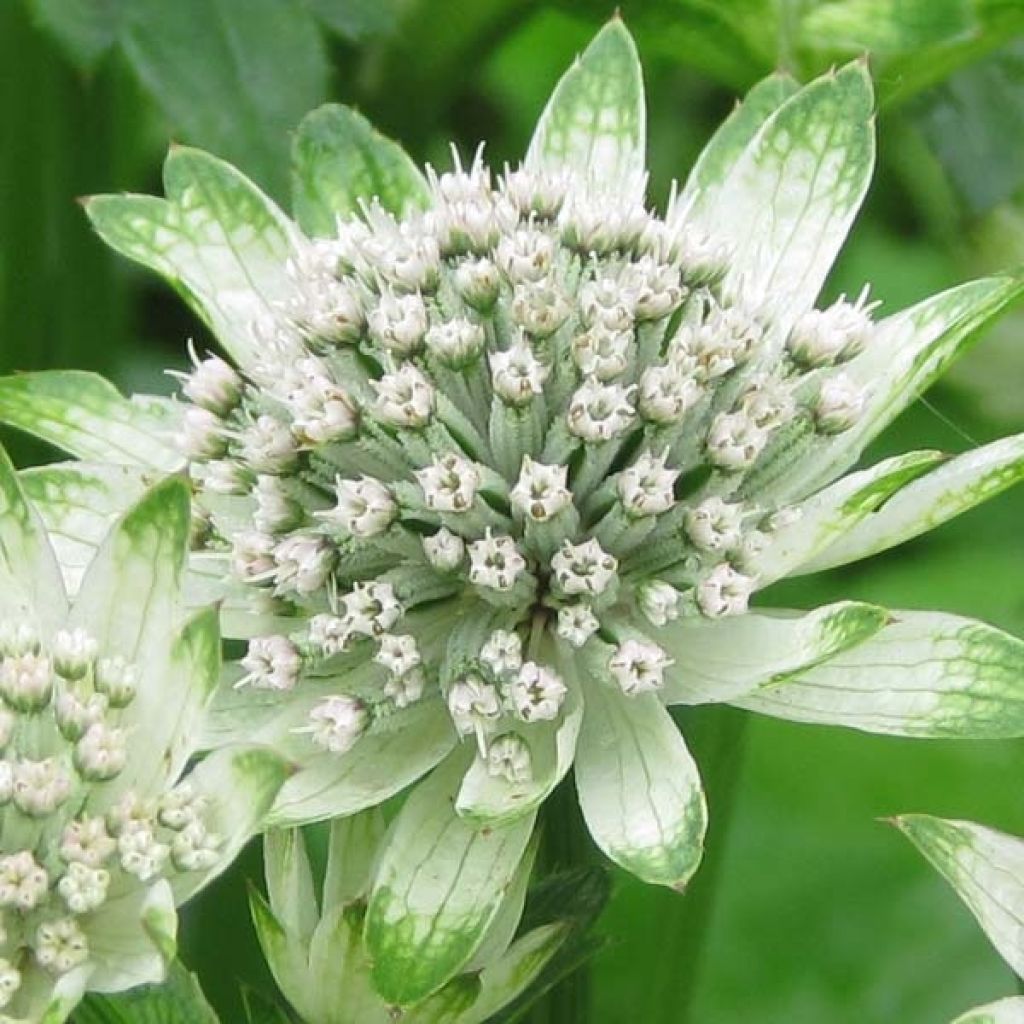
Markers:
809,910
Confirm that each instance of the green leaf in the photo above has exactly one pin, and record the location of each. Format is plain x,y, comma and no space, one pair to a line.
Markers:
595,122
86,29
179,1000
717,660
217,238
31,586
223,85
923,674
87,417
789,200
1005,1011
240,784
726,146
638,786
358,20
339,160
985,867
945,492
827,517
78,503
907,352
439,886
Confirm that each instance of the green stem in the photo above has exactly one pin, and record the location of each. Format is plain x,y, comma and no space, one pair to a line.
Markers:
565,844
715,735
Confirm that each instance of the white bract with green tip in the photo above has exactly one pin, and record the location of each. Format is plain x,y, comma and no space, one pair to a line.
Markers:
504,457
328,973
986,868
103,827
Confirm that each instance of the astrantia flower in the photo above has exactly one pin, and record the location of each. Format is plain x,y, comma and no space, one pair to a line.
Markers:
104,829
986,868
559,441
311,930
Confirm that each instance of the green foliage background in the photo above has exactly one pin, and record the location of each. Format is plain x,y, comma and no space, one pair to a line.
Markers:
809,910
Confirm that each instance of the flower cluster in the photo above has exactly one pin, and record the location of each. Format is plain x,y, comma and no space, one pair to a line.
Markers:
71,833
538,408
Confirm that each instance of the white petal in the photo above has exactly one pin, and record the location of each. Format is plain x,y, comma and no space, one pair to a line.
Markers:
923,674
638,787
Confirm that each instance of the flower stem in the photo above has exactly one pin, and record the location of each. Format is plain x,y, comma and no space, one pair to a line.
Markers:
565,844
715,735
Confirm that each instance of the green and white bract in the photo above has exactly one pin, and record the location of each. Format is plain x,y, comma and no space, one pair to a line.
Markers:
986,868
103,830
311,935
502,456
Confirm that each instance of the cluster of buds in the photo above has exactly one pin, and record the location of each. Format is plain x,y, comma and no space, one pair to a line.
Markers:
73,831
500,405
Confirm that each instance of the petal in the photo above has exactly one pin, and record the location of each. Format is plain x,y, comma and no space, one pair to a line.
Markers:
339,161
290,881
31,586
178,1000
132,938
789,200
78,502
829,515
380,765
509,977
718,660
86,416
489,799
240,784
908,351
217,238
60,1000
985,867
945,492
638,787
595,122
726,146
1005,1011
440,884
923,674
351,852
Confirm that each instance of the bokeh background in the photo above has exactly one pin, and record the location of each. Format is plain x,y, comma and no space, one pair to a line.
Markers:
811,910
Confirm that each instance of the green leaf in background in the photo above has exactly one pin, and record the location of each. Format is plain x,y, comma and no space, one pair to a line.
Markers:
234,80
340,160
86,29
179,1000
358,20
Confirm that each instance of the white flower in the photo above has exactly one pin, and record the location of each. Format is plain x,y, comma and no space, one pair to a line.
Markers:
475,707
584,568
645,488
456,342
398,654
398,323
213,385
600,412
821,337
404,398
517,375
495,562
541,492
839,405
337,722
577,623
509,758
365,507
449,484
503,652
659,602
536,693
638,666
715,525
271,663
444,550
724,591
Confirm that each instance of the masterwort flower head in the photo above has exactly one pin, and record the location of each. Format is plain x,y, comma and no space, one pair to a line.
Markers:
311,931
104,828
503,456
